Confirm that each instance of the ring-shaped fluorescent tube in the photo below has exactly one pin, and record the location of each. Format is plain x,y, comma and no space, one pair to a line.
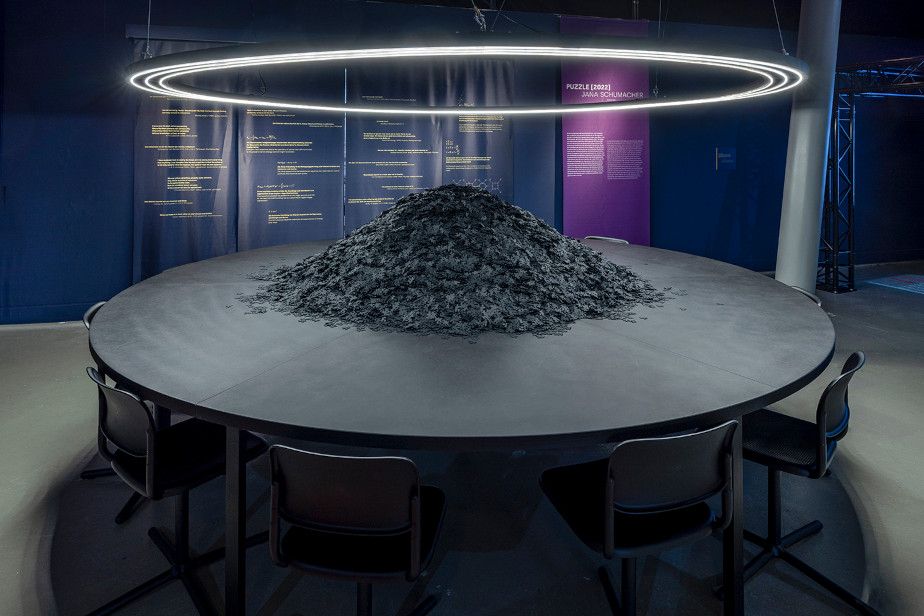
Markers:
769,73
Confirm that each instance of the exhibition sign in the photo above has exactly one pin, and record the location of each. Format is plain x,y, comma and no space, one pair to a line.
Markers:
605,156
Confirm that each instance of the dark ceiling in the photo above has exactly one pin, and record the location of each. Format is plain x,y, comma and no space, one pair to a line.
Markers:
898,18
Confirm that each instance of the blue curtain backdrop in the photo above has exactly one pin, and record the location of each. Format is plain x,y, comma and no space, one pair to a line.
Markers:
478,149
185,177
290,162
390,156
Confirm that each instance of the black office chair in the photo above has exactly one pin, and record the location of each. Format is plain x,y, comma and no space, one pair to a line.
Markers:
159,463
603,238
135,499
808,294
648,497
791,445
366,520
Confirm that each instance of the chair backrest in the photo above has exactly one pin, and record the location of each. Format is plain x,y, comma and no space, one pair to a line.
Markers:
90,313
808,294
124,419
833,413
615,240
659,474
353,495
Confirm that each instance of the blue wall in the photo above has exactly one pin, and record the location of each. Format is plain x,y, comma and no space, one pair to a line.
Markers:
889,184
66,175
67,122
728,214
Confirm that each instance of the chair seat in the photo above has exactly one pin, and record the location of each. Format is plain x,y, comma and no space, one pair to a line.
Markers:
576,492
780,441
364,558
189,454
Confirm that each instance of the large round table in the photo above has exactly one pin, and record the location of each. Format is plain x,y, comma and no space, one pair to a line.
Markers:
727,342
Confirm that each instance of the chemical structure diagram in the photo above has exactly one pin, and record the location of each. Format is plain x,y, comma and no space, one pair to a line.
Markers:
489,184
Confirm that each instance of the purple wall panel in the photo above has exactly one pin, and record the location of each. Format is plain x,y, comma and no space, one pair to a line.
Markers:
605,156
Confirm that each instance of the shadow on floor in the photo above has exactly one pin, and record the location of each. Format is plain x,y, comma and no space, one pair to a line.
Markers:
503,551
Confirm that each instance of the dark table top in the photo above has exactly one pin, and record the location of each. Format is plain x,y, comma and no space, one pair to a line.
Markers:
728,342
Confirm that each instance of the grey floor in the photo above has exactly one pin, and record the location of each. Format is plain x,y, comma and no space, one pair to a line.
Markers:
503,550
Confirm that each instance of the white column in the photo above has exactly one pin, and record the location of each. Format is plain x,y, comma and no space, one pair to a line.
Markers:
807,154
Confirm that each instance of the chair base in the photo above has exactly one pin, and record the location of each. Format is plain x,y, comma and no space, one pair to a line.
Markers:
780,550
94,473
429,602
777,546
624,605
181,570
134,501
130,505
364,602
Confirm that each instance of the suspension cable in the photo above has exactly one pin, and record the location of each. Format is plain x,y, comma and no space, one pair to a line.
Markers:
147,49
778,29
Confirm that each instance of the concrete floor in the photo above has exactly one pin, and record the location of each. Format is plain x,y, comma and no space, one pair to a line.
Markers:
503,551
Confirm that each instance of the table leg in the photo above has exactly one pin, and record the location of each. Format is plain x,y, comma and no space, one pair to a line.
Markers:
235,517
733,538
161,417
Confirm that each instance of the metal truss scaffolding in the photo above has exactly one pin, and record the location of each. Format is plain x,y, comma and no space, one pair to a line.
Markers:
903,77
835,267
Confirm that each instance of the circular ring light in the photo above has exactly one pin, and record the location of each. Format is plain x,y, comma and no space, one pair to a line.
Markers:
767,72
